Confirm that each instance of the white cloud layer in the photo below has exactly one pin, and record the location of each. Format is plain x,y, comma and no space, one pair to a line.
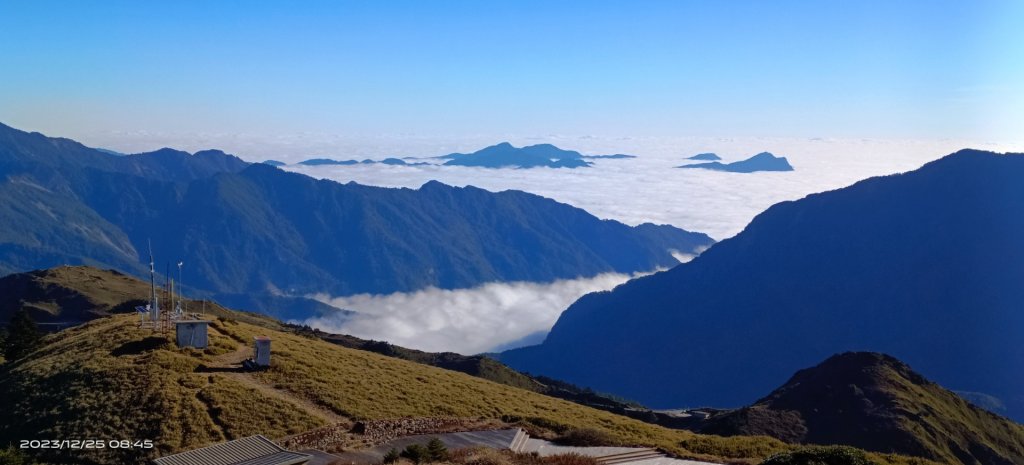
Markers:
649,189
466,321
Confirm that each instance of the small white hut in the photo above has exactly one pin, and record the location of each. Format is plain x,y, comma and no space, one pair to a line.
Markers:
261,353
191,333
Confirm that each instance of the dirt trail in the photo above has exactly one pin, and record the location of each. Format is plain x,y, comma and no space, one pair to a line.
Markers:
230,365
314,409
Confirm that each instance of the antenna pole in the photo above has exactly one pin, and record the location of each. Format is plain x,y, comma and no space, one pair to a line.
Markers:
154,302
181,299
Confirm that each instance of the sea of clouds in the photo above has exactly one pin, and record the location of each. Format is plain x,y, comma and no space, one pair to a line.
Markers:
466,321
633,191
650,189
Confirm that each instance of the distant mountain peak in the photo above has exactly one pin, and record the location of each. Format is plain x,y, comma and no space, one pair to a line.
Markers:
764,161
165,151
434,184
211,153
505,155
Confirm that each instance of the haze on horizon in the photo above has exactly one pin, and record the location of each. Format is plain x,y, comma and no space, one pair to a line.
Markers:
296,78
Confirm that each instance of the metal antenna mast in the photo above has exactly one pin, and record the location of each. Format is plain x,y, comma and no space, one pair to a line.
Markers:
154,301
181,300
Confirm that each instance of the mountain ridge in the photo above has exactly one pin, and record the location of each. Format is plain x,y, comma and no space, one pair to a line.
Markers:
903,276
876,402
239,231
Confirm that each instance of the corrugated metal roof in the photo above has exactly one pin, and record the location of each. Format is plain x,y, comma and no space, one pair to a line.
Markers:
253,450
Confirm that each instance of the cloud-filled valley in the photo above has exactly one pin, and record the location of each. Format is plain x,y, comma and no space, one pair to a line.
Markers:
467,321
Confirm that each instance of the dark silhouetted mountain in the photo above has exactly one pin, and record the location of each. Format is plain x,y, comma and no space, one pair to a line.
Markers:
763,161
927,266
274,163
504,155
875,402
705,157
262,231
386,161
327,161
35,153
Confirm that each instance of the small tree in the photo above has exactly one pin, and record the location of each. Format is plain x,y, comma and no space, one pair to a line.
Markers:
437,450
416,453
392,456
23,336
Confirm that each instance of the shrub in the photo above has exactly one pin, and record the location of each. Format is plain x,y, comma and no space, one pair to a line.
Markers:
570,459
830,455
483,456
416,453
392,456
437,450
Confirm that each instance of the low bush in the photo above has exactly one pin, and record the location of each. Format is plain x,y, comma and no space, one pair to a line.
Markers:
829,455
416,453
570,459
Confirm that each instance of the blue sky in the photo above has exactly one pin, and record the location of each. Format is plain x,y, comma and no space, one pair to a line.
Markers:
890,69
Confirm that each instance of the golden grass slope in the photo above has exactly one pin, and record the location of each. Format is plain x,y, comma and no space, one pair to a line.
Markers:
108,379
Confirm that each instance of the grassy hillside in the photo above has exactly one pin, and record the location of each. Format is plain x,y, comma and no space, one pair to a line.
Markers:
485,367
74,294
476,365
876,402
108,379
69,295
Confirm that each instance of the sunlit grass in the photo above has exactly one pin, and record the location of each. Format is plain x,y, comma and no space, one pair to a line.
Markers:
109,379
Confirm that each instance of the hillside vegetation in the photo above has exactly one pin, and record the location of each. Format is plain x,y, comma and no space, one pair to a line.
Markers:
876,402
74,294
109,379
68,295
